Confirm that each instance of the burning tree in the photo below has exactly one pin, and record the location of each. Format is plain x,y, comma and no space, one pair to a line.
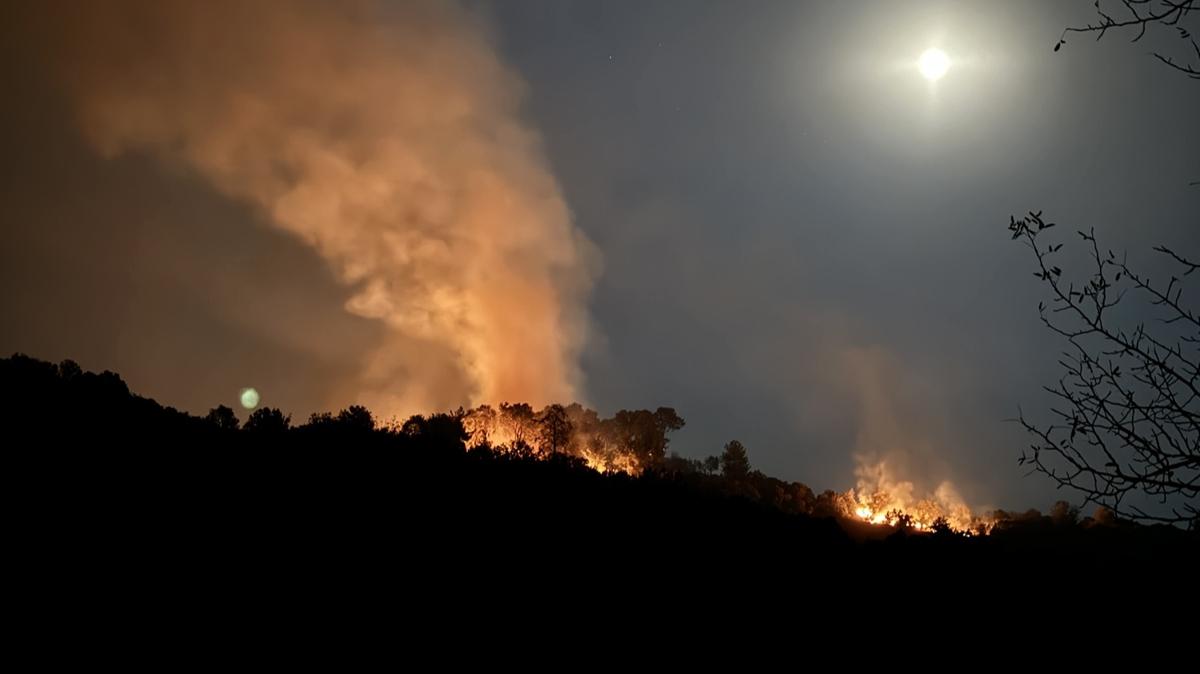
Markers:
1127,413
629,442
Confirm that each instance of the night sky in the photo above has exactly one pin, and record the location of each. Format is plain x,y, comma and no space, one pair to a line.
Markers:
758,213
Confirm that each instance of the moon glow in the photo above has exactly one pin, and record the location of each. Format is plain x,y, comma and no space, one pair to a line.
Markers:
933,64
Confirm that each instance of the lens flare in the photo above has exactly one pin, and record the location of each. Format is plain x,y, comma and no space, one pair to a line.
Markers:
249,398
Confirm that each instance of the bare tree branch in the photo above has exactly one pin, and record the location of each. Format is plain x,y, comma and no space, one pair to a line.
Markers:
1137,16
1127,422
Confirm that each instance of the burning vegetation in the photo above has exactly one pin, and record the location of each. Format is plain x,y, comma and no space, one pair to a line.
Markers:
632,442
880,498
628,442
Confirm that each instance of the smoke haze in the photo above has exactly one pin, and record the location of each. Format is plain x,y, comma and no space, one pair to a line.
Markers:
388,139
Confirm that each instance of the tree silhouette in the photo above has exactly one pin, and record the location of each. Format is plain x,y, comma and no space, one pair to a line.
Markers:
1127,413
735,464
900,519
223,418
69,369
554,428
480,424
641,434
1064,514
267,420
356,417
519,420
443,430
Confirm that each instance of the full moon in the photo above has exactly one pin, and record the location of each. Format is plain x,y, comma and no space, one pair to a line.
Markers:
933,64
249,398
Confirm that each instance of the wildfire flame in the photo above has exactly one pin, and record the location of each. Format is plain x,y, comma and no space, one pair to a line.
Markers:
598,456
517,429
881,499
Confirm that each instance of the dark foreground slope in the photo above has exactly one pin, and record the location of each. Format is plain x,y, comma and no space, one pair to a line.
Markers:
114,491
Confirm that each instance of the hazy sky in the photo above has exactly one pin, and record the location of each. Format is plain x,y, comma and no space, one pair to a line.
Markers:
788,234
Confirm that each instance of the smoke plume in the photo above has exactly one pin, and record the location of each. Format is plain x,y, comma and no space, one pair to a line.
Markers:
387,137
898,467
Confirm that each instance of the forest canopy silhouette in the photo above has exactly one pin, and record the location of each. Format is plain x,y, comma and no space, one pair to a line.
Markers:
505,483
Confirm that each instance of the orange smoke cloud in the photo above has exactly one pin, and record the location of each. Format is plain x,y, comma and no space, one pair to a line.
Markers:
385,136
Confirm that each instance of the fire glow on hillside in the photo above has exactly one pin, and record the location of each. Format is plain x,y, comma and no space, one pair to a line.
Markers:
630,442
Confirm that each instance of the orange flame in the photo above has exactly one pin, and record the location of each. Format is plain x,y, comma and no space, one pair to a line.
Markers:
883,500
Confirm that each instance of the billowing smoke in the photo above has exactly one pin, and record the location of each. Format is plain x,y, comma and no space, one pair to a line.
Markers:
898,462
386,136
